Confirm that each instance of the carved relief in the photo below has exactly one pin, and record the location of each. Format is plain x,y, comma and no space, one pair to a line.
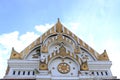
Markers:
15,54
77,50
52,30
84,66
62,51
43,66
44,49
63,68
60,38
103,56
38,53
35,56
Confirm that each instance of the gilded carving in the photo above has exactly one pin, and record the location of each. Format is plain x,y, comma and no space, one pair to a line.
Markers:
48,57
52,30
84,66
60,38
81,42
43,66
70,33
103,56
35,56
43,36
62,51
38,53
59,27
48,32
44,49
85,46
38,41
75,37
77,57
77,50
15,54
63,68
91,50
65,30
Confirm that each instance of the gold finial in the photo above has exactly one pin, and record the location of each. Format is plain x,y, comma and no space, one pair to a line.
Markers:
13,49
58,20
59,26
105,51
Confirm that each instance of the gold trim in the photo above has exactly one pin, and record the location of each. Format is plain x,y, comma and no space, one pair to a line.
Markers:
62,50
15,54
59,27
77,50
44,49
103,56
63,68
84,66
43,66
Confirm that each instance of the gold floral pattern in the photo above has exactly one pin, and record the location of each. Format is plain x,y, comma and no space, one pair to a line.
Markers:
63,68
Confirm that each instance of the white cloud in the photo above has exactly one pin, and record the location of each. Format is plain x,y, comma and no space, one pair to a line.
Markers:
13,39
43,28
8,40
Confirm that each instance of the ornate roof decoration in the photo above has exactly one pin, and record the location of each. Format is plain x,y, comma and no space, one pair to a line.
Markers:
15,54
77,50
103,56
43,66
62,51
44,49
84,66
59,27
59,33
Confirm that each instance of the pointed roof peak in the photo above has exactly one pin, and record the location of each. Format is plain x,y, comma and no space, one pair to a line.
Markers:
58,20
105,51
13,49
59,26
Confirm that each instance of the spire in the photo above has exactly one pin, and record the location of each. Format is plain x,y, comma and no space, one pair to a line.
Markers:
59,26
58,20
105,51
13,49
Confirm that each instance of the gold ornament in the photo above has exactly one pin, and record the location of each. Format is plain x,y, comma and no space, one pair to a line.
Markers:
63,68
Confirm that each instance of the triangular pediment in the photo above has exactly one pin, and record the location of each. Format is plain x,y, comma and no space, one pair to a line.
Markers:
61,34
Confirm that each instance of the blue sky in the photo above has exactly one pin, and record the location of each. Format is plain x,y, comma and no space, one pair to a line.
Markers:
94,21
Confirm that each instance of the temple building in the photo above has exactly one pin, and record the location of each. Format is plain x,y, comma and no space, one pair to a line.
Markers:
58,54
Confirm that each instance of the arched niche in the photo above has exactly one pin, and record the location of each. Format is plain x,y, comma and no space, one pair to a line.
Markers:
63,67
